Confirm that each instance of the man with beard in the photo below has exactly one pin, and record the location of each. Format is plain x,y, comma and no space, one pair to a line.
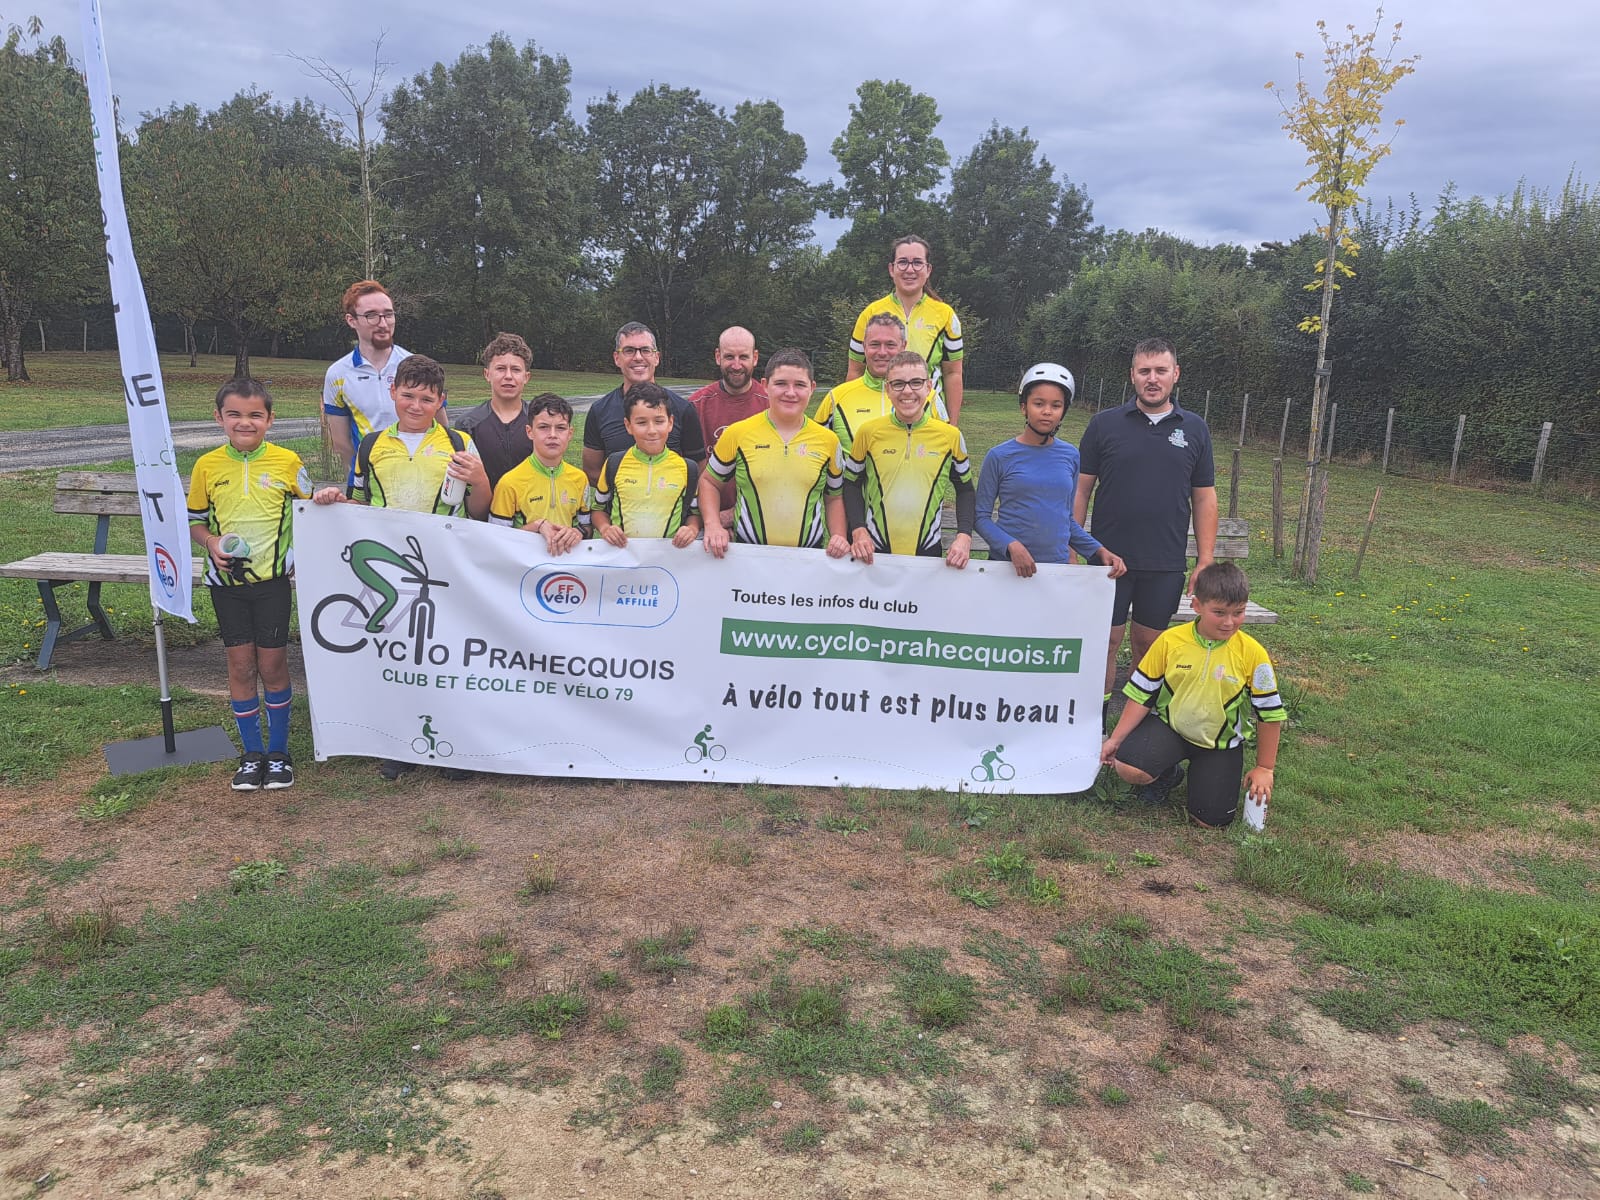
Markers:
355,392
736,395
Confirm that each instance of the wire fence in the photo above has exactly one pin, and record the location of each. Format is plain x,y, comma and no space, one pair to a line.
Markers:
1534,456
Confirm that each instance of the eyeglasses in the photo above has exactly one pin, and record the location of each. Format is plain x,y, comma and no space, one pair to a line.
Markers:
911,264
373,318
636,351
902,387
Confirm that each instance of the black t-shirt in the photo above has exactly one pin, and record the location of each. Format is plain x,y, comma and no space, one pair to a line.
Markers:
1145,471
500,445
604,431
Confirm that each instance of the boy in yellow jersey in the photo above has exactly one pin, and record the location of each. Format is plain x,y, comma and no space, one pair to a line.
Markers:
785,468
544,493
239,513
649,490
1202,679
898,470
417,464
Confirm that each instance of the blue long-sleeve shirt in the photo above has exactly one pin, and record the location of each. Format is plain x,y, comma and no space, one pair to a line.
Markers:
1034,486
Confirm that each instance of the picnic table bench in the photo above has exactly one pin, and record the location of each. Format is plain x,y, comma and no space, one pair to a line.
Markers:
1233,542
102,495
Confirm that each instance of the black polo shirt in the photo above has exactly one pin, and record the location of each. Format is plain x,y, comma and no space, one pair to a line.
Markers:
604,431
1145,471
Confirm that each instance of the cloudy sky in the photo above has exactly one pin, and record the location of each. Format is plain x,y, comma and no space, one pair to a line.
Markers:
1156,107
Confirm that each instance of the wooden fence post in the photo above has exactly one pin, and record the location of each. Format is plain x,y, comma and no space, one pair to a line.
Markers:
1277,508
1100,395
1206,416
1538,457
41,335
1244,415
1333,419
1388,436
1283,431
1233,483
1366,533
1455,455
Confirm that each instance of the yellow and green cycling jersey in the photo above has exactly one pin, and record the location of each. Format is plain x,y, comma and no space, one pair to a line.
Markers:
846,408
1205,690
249,494
780,487
932,329
647,497
531,492
389,473
901,473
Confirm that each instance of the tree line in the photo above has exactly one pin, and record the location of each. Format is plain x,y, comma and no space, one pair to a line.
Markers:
487,204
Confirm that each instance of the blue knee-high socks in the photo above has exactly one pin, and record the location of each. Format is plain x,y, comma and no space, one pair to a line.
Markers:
278,719
248,715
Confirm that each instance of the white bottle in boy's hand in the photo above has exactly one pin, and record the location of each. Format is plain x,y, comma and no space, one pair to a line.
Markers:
1255,811
455,490
233,545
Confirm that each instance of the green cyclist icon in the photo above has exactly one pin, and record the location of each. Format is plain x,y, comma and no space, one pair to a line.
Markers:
705,748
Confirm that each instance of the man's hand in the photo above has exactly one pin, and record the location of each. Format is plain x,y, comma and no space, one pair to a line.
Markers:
861,546
716,540
1021,561
960,552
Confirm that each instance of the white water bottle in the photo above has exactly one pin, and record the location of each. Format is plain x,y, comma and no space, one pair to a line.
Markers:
1255,811
233,545
455,490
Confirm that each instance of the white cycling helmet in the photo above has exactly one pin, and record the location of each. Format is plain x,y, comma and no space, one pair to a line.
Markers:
1048,372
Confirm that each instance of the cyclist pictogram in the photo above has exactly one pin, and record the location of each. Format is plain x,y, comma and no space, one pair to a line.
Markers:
705,748
992,767
341,622
430,743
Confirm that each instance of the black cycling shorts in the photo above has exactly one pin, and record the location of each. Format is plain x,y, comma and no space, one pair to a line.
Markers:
1152,595
1215,776
253,614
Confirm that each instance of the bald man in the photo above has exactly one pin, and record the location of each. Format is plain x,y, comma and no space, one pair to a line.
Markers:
737,394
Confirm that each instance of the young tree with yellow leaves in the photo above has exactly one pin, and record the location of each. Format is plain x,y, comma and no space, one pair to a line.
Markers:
1342,130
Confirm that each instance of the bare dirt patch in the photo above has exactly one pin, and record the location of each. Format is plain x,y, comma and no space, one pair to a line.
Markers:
1207,1111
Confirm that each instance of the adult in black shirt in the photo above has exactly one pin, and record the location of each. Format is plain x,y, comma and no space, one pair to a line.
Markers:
604,433
1152,463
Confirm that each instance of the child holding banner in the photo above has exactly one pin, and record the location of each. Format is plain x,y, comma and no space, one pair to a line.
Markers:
785,468
1032,479
544,493
239,513
648,490
899,468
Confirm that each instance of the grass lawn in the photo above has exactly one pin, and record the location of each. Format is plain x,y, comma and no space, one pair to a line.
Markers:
446,988
70,389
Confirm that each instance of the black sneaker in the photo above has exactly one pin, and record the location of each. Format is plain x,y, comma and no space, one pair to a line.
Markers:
457,774
252,770
280,770
391,768
1155,792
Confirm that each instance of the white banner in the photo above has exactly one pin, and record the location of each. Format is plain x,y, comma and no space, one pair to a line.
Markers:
163,504
466,645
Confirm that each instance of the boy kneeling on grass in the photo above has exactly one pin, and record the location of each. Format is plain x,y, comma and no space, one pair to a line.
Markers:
1203,679
239,513
648,491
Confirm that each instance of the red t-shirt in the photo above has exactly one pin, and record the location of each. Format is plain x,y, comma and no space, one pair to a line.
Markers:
718,410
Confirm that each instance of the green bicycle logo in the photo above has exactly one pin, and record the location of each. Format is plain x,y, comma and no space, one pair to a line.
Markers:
705,748
341,622
991,767
430,743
